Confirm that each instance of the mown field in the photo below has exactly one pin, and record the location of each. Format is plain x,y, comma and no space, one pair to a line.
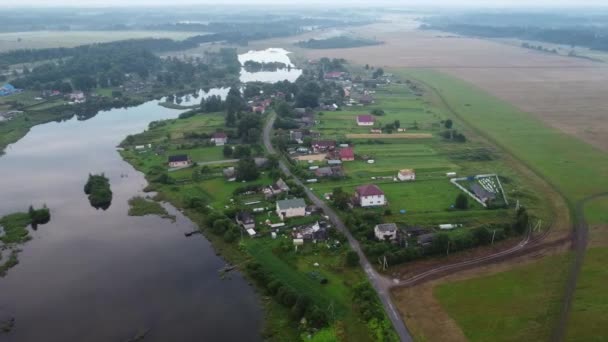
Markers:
575,168
500,307
428,200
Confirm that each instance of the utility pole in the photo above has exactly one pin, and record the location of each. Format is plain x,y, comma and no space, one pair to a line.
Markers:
447,253
493,235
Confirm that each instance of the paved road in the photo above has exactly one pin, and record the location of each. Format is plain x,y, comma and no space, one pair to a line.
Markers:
379,282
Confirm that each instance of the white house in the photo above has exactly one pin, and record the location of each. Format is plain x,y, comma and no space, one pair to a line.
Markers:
180,160
386,231
294,207
370,195
219,138
406,175
77,97
246,220
365,120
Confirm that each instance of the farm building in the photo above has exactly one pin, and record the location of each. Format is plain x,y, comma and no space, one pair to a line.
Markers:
294,207
219,139
323,145
180,160
334,75
365,120
347,154
245,220
406,175
334,162
323,172
481,193
386,231
77,97
370,195
312,232
296,136
366,99
8,89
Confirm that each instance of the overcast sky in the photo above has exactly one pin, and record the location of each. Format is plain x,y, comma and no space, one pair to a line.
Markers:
480,3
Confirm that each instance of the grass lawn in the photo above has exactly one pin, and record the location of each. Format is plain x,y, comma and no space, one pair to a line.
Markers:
575,168
588,321
498,307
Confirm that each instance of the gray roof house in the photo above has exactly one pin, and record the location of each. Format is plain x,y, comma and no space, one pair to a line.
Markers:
291,208
386,231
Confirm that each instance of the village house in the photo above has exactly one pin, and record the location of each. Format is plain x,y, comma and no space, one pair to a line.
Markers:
219,138
370,195
8,89
324,172
294,207
245,220
260,162
366,99
347,154
386,231
365,120
311,232
334,75
180,160
319,146
296,135
229,173
406,175
77,97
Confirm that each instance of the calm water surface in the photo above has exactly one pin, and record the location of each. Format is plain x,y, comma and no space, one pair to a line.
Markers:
269,55
92,275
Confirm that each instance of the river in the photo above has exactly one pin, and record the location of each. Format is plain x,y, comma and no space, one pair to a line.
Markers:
94,275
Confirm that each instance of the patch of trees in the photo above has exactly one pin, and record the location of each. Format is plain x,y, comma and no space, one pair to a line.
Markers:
591,36
253,66
300,305
39,216
367,304
246,170
98,190
453,135
340,42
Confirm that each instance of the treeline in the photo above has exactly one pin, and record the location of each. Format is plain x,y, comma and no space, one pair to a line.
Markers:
593,37
253,66
340,42
361,225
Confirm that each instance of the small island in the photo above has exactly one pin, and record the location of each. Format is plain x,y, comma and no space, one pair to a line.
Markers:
99,192
14,232
253,66
140,206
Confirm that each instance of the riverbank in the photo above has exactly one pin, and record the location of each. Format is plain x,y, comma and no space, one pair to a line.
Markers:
203,195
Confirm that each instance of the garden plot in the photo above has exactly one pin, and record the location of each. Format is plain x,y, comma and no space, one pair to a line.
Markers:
484,189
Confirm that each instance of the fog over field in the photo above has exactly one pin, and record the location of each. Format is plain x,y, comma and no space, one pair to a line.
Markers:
468,3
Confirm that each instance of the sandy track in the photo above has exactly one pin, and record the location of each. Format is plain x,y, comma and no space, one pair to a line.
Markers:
389,136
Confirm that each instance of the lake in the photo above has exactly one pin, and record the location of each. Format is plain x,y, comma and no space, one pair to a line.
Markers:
266,56
93,275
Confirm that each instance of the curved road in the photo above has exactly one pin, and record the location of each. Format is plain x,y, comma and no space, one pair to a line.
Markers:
380,283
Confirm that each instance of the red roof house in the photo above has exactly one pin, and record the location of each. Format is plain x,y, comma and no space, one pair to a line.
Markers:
323,145
347,154
219,138
365,120
370,195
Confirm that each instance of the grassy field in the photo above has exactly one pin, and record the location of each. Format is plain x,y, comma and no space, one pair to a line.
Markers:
53,39
139,206
575,168
588,321
498,307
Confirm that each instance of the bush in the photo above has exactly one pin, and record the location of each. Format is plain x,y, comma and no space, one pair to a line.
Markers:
352,259
462,202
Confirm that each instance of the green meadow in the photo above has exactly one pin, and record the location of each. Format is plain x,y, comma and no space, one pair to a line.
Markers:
577,170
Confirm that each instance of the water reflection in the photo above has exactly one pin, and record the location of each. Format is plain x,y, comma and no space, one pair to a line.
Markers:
265,56
93,275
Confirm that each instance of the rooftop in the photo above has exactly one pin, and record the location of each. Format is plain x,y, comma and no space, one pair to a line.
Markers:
369,190
178,158
365,118
387,227
291,203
